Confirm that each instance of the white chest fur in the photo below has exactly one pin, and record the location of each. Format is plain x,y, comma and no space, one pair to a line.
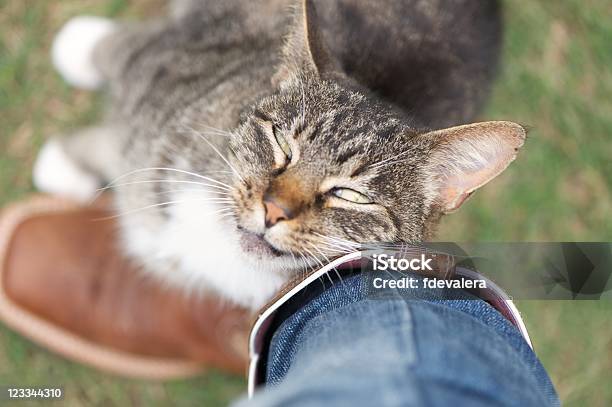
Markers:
196,250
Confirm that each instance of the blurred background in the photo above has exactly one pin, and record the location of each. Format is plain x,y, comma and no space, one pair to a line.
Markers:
555,77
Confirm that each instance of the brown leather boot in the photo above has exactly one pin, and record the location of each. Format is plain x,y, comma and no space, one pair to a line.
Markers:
64,285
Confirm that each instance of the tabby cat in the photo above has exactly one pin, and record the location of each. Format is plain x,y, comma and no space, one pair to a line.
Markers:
247,141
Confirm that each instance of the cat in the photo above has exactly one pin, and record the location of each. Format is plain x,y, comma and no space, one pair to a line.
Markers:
250,141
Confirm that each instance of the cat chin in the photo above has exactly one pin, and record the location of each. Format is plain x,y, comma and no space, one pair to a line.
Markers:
255,245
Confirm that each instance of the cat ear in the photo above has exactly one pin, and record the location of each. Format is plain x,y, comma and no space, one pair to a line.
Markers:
305,50
464,158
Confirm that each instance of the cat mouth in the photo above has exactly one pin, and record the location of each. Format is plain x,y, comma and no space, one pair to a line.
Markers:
256,244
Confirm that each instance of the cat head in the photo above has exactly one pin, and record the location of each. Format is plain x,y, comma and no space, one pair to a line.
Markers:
325,165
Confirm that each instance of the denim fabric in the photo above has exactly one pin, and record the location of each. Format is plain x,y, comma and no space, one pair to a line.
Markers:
345,349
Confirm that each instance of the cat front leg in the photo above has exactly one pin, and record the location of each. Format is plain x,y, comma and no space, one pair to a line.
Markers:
77,165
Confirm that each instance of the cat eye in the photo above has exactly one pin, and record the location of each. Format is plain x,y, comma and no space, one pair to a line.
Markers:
282,142
351,195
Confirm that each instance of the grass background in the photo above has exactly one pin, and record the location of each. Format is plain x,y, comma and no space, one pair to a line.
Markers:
555,77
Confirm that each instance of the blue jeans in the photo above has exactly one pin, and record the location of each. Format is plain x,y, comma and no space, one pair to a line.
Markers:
346,349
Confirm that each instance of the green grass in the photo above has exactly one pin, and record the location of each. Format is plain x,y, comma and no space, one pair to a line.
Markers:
555,77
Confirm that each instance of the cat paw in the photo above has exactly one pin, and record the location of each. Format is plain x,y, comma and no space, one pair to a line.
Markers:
72,50
55,173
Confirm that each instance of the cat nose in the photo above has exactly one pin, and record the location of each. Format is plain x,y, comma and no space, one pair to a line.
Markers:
274,212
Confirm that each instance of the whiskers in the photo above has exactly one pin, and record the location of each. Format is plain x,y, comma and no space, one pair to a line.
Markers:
337,244
223,190
389,161
319,251
225,211
212,130
307,264
202,136
205,187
